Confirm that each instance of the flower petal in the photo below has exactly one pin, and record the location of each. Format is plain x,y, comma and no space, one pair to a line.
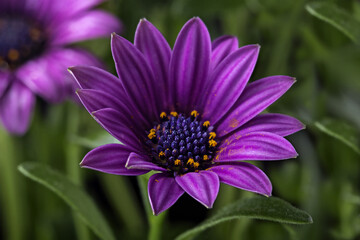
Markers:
157,52
255,146
244,176
228,81
16,108
279,124
113,122
222,47
110,158
190,63
136,161
136,76
203,186
256,97
88,25
47,75
5,78
163,192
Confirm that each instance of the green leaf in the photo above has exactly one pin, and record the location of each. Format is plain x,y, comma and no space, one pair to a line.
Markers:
95,141
72,194
341,131
272,209
337,17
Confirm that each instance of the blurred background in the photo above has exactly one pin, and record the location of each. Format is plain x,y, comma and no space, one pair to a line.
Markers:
324,180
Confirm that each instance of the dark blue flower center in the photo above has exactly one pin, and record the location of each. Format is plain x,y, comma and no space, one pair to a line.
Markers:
182,144
20,40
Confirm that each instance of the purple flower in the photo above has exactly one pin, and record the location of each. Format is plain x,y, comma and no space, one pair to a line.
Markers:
187,113
33,60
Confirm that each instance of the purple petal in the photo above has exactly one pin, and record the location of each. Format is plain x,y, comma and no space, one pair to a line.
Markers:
88,25
5,78
113,122
244,176
136,161
228,81
279,124
203,186
163,192
190,63
255,146
47,75
136,76
157,52
16,108
110,158
221,48
256,97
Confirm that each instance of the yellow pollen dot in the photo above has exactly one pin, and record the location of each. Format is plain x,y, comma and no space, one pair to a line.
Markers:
152,130
161,154
151,135
194,113
13,54
212,143
190,161
174,114
206,124
177,162
212,135
163,115
205,157
196,164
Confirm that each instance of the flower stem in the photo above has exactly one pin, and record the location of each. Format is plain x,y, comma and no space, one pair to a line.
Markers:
155,222
12,189
72,164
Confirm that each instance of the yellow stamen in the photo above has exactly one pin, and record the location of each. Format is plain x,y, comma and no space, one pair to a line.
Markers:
151,135
212,143
206,124
206,157
161,154
163,115
13,54
196,164
174,114
194,113
152,130
177,162
212,135
190,161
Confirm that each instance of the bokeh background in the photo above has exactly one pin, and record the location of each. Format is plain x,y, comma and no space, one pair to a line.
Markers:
324,180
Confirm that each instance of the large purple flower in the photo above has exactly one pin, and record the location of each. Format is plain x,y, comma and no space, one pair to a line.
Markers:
33,60
187,113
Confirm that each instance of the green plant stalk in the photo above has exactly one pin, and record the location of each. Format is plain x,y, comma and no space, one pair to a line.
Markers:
72,165
155,222
12,190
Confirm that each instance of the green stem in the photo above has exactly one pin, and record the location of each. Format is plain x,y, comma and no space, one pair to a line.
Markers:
72,165
12,191
155,222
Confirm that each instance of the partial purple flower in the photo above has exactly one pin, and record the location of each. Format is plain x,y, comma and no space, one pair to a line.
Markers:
33,57
187,113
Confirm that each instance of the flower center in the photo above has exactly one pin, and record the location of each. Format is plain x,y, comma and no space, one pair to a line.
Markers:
20,40
182,144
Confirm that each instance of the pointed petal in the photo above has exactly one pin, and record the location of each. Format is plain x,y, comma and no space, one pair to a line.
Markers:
228,81
163,192
221,48
157,52
256,97
244,176
203,186
110,158
255,146
279,124
5,78
136,76
16,108
114,122
136,161
190,63
88,25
